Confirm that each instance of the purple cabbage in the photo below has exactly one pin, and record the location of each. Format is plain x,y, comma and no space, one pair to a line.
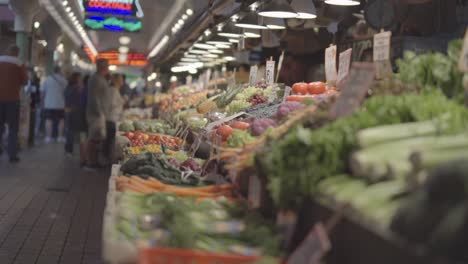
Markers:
285,108
259,126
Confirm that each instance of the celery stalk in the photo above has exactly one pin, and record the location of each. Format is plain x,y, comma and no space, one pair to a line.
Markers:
381,134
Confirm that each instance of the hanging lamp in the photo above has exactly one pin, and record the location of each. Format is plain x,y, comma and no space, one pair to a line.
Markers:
250,21
278,9
343,2
304,8
274,23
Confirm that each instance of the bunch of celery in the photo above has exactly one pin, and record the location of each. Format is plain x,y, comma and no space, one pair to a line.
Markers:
393,151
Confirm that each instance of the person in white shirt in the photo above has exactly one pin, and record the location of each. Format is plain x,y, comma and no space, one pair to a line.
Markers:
53,94
113,107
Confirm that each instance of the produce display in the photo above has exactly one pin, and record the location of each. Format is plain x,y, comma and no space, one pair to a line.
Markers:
216,168
139,138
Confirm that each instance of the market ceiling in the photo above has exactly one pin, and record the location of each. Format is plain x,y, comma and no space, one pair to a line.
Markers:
134,32
109,28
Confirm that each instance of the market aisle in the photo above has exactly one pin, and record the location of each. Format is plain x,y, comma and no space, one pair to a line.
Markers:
50,209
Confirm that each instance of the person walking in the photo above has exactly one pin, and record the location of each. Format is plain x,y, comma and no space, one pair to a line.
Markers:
53,93
35,94
72,110
113,107
13,76
95,117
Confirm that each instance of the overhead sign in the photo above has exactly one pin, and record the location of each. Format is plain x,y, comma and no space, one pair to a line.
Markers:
113,15
114,7
113,23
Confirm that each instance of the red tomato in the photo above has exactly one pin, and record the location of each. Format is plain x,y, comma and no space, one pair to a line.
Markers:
240,125
224,131
300,88
317,88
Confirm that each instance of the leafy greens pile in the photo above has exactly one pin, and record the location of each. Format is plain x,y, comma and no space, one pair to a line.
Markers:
432,71
295,164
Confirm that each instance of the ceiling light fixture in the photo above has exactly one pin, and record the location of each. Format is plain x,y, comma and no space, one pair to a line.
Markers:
229,58
222,46
189,12
124,40
194,51
278,9
210,55
218,40
250,21
230,31
65,3
37,24
204,46
215,51
123,50
343,2
159,46
274,23
184,16
189,59
234,40
68,9
252,33
304,8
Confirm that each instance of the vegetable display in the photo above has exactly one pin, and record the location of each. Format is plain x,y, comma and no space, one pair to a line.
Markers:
138,138
295,164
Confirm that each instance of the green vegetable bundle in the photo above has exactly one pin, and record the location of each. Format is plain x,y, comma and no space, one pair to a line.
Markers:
296,163
210,225
432,71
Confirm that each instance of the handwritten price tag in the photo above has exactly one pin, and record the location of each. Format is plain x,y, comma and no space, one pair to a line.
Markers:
313,248
330,64
253,75
270,72
255,192
463,63
345,62
287,92
360,79
382,46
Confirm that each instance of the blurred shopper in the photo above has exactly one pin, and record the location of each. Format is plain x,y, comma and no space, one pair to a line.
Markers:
83,123
53,92
35,94
97,87
113,107
72,110
12,77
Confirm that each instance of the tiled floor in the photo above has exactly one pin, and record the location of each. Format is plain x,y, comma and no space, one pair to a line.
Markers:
50,209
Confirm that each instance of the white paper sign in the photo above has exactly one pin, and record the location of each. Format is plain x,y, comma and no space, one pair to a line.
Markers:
382,46
287,92
270,72
253,75
330,64
345,62
463,63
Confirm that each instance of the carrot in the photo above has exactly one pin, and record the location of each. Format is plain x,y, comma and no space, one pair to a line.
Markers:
131,187
156,182
121,179
141,185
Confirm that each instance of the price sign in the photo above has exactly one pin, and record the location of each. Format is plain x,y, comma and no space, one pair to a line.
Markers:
359,81
463,63
313,248
253,75
188,80
382,46
287,92
345,62
270,72
330,64
115,170
255,192
212,125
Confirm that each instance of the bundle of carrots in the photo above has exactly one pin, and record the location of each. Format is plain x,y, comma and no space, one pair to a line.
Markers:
152,185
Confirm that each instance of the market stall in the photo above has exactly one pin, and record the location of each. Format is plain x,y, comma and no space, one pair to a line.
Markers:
364,166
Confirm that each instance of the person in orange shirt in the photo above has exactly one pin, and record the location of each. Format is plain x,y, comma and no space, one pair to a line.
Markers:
13,77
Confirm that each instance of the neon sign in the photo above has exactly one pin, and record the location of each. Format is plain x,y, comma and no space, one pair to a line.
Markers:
114,7
113,24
